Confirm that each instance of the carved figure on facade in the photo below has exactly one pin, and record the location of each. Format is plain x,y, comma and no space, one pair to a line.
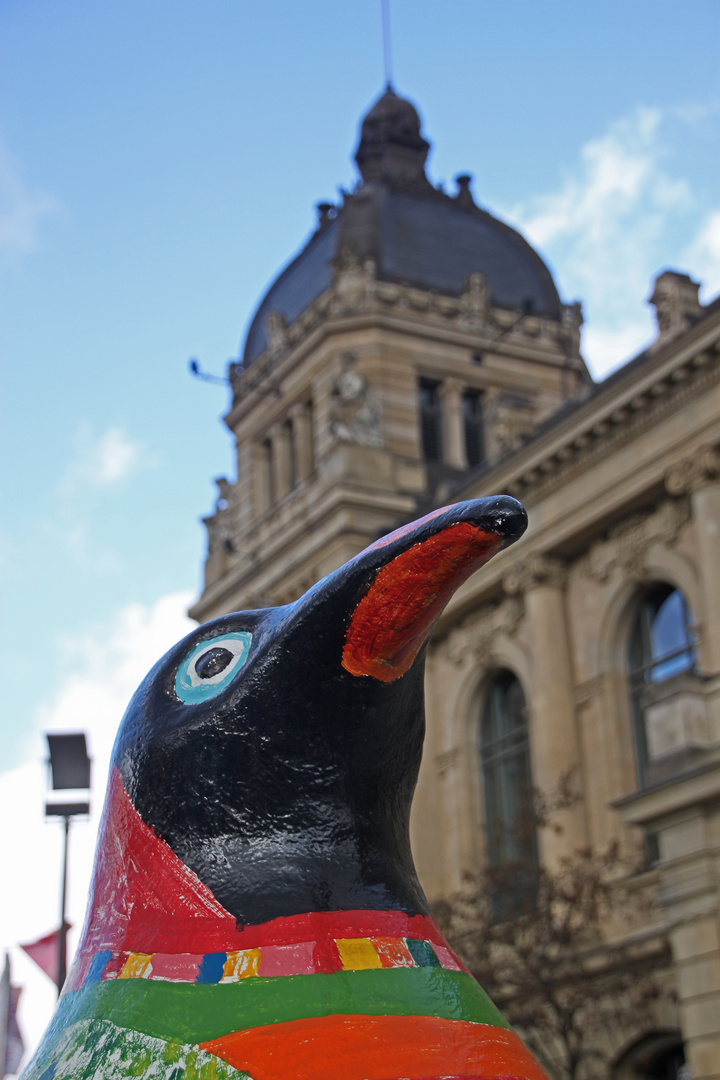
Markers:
355,411
276,332
572,321
354,282
254,910
676,302
474,303
511,420
219,525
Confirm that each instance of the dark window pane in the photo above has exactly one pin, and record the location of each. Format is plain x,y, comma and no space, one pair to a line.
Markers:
507,786
473,424
661,645
430,430
670,639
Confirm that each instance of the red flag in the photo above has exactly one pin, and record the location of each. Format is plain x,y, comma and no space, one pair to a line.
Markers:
45,953
11,1043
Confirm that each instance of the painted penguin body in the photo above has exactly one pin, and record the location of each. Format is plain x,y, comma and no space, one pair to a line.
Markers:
254,909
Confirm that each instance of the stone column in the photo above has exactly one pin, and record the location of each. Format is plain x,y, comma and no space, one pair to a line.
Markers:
260,477
302,433
699,476
453,434
554,748
281,464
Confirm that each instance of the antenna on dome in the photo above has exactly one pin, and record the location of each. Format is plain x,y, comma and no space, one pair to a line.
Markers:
387,48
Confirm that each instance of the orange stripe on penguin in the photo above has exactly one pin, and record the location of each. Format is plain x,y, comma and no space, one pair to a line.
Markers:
378,1048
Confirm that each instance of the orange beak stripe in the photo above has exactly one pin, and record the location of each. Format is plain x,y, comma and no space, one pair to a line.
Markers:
395,617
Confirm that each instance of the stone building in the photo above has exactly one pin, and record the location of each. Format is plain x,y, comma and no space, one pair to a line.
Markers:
416,353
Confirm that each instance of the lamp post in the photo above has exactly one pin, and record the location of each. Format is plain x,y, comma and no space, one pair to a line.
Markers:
70,770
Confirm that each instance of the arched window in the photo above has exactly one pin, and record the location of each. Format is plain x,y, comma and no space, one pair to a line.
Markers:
659,1055
507,787
661,648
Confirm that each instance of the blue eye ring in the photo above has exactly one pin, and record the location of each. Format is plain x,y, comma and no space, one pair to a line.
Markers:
193,687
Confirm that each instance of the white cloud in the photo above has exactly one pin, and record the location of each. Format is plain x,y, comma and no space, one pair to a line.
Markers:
703,255
22,209
102,460
614,223
103,670
615,171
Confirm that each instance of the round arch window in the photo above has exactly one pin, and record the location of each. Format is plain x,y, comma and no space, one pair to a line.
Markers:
661,647
508,794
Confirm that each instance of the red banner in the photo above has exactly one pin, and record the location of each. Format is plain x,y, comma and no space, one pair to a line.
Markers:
45,952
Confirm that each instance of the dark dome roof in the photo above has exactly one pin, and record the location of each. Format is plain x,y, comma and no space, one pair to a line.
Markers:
417,235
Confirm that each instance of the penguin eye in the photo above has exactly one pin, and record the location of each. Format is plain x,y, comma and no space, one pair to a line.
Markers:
211,666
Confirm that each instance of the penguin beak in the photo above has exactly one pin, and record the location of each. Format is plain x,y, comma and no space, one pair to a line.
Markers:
395,617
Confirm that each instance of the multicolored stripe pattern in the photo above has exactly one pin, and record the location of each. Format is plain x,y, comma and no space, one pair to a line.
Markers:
307,1006
270,961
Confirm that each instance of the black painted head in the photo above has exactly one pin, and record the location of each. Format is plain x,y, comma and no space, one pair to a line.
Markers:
277,751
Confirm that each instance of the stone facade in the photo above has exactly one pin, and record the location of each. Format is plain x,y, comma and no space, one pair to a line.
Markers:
382,399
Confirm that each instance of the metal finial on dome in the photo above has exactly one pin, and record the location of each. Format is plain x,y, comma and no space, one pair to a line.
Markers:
391,148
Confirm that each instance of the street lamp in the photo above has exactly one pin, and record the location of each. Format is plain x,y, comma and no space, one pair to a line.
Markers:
70,769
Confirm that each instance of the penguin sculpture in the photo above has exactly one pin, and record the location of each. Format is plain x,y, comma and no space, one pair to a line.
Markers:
254,910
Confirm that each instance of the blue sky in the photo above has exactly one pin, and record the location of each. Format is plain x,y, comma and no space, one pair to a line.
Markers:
159,163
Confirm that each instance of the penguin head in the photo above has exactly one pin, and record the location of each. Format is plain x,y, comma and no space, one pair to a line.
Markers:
276,751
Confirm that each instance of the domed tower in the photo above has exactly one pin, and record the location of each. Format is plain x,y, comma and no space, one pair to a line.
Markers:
415,337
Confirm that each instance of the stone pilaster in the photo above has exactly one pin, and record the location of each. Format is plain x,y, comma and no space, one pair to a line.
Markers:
281,464
699,476
553,734
260,477
452,424
302,433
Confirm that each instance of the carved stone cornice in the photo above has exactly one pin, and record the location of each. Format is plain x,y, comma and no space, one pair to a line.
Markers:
611,429
356,290
627,544
535,571
702,467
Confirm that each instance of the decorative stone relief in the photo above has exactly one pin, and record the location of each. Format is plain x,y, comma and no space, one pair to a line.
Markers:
355,288
354,410
474,303
533,571
276,332
475,637
354,283
511,419
676,303
626,545
694,472
219,526
572,321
